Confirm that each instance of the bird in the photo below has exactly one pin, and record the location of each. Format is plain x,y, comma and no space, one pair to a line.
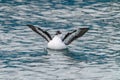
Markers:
58,42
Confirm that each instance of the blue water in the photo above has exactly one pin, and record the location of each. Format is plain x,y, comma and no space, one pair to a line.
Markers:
95,56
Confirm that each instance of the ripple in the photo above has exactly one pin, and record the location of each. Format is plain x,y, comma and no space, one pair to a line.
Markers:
94,56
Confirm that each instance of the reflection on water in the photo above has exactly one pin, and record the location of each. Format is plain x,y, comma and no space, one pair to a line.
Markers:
95,56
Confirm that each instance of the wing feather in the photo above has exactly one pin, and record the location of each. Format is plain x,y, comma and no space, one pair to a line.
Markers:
77,33
41,32
68,34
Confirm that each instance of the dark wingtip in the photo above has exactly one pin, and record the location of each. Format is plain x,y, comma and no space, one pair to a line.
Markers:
84,28
29,25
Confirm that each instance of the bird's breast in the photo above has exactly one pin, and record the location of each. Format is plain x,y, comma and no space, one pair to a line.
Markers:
56,44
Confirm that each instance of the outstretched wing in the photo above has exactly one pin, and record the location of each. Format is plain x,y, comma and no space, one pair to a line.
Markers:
41,32
74,35
68,34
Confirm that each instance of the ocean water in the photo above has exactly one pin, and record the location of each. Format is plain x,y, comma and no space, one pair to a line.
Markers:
95,56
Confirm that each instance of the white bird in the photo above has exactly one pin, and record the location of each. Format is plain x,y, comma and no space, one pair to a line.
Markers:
57,42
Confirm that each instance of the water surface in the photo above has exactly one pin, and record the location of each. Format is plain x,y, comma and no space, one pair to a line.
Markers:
95,56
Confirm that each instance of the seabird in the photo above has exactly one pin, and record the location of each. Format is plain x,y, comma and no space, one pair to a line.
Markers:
57,42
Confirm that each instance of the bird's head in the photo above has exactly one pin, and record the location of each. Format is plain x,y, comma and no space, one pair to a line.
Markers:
59,34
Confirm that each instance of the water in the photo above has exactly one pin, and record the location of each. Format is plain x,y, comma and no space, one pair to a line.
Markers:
96,56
